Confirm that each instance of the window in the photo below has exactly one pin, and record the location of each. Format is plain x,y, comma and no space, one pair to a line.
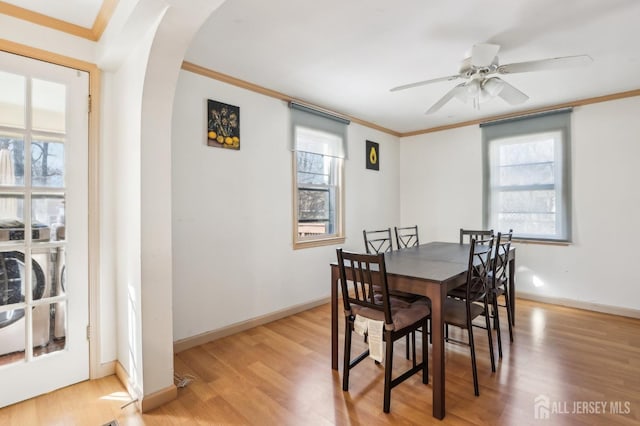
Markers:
318,153
527,176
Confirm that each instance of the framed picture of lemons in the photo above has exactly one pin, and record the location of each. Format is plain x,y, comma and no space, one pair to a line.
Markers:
223,125
373,155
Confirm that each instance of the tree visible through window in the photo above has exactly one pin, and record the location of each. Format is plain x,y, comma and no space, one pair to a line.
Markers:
315,195
318,142
318,181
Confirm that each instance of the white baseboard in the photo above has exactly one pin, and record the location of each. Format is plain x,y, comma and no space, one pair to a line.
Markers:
200,339
148,402
104,370
590,306
159,398
123,376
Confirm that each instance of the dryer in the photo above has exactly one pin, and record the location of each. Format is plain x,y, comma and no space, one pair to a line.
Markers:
12,323
58,288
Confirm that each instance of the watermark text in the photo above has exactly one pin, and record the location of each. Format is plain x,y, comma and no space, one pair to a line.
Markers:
544,407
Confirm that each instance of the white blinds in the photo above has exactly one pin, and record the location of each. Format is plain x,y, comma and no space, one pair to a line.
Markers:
318,132
527,176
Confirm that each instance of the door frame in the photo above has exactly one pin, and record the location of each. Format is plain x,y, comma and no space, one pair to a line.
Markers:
96,368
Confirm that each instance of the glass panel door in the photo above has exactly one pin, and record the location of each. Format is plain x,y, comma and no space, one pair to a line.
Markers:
43,227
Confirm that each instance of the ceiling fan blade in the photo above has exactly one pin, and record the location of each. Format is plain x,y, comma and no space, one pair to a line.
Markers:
456,91
483,54
546,64
510,94
422,83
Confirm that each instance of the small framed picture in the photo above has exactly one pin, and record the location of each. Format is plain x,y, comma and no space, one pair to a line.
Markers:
373,155
223,125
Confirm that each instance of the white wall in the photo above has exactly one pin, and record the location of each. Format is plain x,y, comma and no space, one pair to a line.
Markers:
441,182
122,146
142,89
441,189
232,211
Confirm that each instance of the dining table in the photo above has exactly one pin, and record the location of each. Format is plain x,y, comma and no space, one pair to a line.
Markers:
430,270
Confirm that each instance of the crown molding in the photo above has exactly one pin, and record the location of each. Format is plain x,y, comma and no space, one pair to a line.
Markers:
577,103
197,69
206,72
94,33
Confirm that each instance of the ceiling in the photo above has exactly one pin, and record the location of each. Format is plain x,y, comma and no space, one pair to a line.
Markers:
345,55
78,12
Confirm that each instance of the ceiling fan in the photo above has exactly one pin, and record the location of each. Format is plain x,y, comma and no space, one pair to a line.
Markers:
480,72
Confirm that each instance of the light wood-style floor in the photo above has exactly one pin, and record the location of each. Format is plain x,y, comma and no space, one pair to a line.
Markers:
279,374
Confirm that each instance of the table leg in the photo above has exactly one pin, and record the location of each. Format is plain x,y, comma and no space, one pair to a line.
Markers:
437,293
512,287
335,276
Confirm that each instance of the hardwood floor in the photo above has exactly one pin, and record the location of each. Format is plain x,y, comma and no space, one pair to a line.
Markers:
279,374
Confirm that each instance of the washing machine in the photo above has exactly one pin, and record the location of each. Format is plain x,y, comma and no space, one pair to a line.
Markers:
12,323
58,288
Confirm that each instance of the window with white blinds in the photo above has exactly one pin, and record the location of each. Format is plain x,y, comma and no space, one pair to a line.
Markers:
319,150
527,184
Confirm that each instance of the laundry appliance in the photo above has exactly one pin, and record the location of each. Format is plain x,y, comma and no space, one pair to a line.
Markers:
47,274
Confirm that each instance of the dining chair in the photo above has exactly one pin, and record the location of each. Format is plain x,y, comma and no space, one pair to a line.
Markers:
462,312
477,234
406,236
358,275
378,241
468,235
499,280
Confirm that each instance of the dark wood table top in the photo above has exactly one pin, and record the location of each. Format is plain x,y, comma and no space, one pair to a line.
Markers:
436,261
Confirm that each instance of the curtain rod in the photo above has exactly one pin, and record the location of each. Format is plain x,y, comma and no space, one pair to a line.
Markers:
322,113
526,116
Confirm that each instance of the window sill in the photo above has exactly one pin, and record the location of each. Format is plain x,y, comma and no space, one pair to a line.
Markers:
318,242
541,242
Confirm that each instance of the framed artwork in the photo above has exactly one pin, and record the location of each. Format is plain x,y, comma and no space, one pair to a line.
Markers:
223,125
373,155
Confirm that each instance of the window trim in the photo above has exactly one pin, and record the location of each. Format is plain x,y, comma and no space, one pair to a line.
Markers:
547,122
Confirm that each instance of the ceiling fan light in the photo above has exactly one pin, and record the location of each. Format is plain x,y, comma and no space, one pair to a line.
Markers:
470,91
473,88
493,86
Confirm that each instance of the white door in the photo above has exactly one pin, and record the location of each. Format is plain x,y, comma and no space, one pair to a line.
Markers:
44,311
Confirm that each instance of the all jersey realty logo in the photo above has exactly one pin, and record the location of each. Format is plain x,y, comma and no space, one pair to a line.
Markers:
541,406
544,407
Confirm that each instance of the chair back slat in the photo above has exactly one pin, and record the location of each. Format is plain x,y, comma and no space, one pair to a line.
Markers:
476,234
501,258
406,236
480,263
378,241
359,273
